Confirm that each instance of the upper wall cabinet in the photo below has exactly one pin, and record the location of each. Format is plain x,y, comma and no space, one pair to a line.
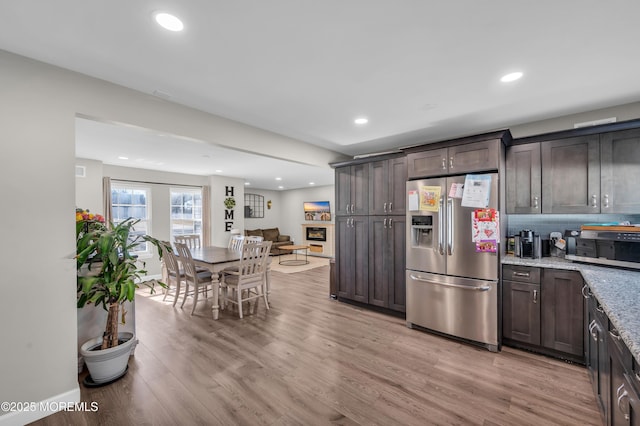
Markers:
387,186
620,172
524,179
352,190
586,174
456,159
571,175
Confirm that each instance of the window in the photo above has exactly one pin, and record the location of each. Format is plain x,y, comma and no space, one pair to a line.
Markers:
186,211
253,205
130,200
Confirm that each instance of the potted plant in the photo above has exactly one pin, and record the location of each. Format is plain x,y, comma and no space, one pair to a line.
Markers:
108,275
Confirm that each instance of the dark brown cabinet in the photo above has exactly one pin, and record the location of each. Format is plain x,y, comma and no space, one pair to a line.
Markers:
352,247
562,311
543,310
571,175
596,355
387,186
456,159
620,171
521,304
387,236
352,190
524,179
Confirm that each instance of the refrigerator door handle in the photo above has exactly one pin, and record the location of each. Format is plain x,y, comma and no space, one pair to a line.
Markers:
441,227
464,287
450,227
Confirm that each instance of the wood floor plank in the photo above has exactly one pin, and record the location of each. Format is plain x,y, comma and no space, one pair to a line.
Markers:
310,360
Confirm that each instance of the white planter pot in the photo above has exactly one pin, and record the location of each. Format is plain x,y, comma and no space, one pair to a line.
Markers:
108,364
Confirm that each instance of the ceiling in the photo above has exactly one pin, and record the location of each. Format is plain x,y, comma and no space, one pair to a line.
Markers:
418,70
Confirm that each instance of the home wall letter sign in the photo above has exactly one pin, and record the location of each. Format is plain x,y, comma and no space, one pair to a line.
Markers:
229,203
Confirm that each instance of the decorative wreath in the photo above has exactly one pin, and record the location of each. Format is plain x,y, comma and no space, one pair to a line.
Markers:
229,202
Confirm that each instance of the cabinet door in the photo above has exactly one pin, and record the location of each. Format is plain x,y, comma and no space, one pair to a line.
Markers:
360,189
571,175
634,402
427,163
597,362
524,179
474,157
344,260
396,261
378,255
521,312
562,311
379,187
620,157
351,257
343,191
618,394
397,186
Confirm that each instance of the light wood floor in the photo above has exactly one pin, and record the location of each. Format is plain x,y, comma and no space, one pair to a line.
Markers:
315,361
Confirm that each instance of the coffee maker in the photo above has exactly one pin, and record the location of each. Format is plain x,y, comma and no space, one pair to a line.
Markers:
529,244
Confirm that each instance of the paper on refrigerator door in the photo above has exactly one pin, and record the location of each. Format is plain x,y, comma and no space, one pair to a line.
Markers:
477,189
413,200
485,229
430,198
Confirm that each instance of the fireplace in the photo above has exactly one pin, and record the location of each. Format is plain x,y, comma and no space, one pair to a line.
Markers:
316,233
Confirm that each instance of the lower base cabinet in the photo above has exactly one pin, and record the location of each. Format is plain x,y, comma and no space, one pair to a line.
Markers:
370,260
612,369
543,310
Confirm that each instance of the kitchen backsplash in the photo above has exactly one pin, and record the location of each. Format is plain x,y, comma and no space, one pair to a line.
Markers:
544,224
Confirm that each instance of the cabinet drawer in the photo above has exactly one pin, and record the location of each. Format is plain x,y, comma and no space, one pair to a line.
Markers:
523,274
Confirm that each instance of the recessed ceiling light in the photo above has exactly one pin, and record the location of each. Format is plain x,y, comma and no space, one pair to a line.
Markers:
361,120
247,183
218,171
511,77
281,187
169,22
123,158
278,178
312,183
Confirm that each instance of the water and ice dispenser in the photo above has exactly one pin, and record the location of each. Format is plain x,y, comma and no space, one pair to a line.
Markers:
422,232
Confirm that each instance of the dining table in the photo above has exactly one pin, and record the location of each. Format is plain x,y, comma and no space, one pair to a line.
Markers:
215,259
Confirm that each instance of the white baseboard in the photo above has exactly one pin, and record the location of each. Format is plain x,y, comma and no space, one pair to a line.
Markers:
41,409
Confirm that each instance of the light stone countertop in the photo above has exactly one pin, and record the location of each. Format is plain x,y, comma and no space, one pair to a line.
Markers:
617,290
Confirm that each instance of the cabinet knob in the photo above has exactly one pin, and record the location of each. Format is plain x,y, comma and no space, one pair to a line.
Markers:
384,223
451,162
444,163
594,201
535,202
390,207
535,296
585,291
390,222
385,207
605,201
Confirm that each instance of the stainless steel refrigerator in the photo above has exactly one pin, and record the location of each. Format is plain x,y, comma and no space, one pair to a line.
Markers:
452,288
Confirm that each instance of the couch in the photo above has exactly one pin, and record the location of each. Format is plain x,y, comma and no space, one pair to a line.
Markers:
272,234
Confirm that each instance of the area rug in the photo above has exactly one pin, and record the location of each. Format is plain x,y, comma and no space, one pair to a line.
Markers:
314,262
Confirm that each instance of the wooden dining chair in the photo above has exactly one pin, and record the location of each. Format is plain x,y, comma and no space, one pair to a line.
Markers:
235,242
174,275
249,281
192,240
196,282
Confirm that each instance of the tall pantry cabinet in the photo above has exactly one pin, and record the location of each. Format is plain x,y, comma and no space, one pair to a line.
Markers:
370,231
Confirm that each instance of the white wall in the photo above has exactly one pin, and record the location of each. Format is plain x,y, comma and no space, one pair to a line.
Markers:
38,107
292,216
621,112
272,216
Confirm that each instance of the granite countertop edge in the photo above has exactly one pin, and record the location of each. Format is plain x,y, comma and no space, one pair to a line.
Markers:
617,290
